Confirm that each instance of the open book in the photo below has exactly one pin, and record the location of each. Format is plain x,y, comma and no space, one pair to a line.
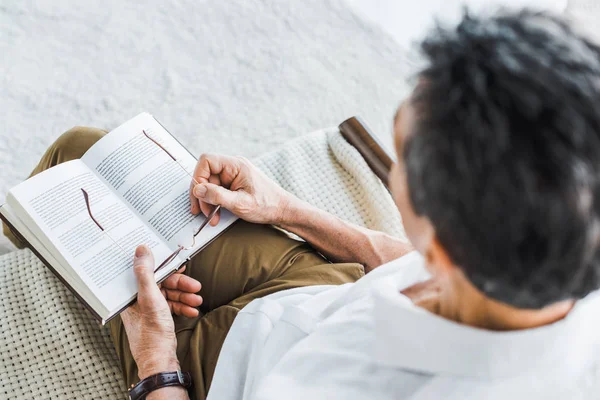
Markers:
137,189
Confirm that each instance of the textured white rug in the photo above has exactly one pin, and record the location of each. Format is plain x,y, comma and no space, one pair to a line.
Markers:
237,77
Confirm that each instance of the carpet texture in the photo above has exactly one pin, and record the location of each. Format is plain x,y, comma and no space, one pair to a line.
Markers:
235,77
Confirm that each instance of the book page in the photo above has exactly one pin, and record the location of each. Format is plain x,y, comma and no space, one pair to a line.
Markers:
152,172
103,259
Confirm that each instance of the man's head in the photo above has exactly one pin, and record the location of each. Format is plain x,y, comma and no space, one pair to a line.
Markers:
499,158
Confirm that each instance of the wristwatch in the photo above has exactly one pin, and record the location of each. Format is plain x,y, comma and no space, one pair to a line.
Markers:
157,381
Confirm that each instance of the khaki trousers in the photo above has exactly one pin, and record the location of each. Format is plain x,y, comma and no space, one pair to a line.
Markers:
246,262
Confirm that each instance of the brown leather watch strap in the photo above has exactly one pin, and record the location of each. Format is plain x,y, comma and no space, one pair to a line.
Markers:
157,381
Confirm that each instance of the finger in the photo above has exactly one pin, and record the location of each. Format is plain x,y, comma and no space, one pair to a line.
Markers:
216,195
143,268
182,309
207,165
216,218
191,299
226,167
194,204
215,180
183,283
206,208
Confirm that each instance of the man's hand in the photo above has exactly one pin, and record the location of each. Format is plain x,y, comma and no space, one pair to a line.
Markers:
236,184
149,323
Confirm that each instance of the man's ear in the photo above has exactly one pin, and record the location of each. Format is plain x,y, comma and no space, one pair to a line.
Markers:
438,260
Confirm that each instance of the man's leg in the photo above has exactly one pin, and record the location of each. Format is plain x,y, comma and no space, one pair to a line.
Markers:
246,257
247,261
69,146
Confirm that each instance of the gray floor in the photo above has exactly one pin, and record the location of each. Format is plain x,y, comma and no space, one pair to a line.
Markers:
237,77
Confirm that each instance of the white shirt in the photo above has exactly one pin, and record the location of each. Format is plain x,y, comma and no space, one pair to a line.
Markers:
368,341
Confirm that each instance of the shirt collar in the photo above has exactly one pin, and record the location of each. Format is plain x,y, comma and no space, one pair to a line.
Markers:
412,338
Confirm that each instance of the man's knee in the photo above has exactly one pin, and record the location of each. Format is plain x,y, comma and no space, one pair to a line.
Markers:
75,142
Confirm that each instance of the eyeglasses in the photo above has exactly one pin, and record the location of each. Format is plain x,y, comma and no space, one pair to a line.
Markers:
180,247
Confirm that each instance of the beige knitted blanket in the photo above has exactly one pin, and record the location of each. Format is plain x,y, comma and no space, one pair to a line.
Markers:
51,347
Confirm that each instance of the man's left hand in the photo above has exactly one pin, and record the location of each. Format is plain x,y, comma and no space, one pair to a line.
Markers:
149,323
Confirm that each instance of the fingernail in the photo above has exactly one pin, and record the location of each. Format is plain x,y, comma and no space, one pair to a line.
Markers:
141,251
200,190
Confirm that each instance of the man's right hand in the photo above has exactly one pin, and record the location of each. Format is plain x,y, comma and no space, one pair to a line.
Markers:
236,184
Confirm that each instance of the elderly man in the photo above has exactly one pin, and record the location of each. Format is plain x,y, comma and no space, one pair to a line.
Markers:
497,183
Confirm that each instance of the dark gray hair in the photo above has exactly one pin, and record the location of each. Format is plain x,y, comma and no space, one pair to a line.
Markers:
505,156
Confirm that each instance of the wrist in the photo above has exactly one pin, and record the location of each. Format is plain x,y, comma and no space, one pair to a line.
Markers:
155,366
166,385
283,208
169,392
292,212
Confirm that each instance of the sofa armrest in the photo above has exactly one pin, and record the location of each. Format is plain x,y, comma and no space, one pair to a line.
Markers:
358,134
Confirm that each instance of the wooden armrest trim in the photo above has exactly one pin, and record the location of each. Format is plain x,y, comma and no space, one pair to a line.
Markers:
358,134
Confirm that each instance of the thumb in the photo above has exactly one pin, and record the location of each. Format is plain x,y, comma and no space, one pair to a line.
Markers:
216,195
143,268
